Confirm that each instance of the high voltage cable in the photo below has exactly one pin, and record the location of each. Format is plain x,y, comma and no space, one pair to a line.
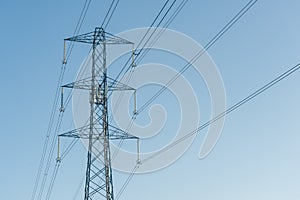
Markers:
172,17
139,56
107,13
197,55
129,178
68,149
54,106
78,188
111,14
178,9
200,53
165,26
231,109
78,26
152,24
50,156
156,27
221,115
144,36
51,121
54,175
141,41
127,181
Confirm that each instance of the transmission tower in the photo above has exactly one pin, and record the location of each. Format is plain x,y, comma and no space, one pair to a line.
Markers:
98,131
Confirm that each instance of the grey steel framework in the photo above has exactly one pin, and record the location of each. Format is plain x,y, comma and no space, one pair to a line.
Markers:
99,181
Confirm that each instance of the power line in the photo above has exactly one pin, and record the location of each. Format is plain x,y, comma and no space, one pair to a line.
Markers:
50,156
165,26
141,41
78,26
172,17
221,115
48,133
127,181
69,148
54,175
156,27
107,13
153,22
111,14
142,53
53,110
144,36
231,109
199,54
78,188
242,12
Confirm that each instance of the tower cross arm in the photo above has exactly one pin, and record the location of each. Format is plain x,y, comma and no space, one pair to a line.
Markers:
98,36
83,133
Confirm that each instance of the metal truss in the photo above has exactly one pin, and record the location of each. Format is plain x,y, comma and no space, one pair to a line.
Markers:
98,36
85,84
98,132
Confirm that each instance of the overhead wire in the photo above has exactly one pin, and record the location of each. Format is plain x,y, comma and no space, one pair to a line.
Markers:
164,16
50,156
141,51
197,56
231,109
53,113
125,184
161,31
235,19
153,22
111,14
78,188
78,26
221,115
144,36
54,175
169,21
48,133
107,13
132,68
178,9
69,148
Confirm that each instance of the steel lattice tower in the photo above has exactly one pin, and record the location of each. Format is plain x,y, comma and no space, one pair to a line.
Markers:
98,132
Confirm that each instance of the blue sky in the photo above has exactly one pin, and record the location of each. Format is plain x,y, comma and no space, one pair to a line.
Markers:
257,156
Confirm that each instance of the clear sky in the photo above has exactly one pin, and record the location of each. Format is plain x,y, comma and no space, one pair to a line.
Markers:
257,156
